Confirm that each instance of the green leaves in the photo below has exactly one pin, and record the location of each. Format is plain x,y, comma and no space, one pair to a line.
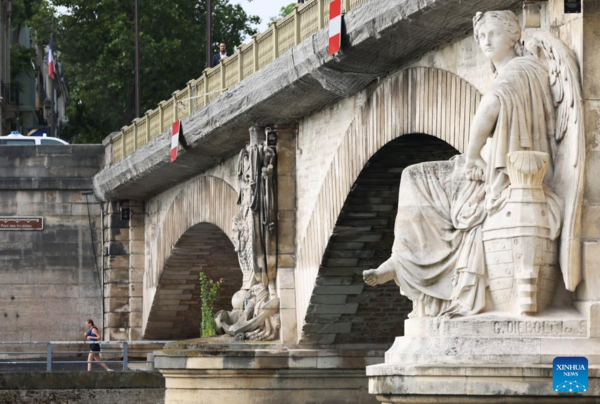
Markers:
21,61
283,12
96,41
208,295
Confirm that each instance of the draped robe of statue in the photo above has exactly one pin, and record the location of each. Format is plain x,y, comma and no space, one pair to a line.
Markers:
438,255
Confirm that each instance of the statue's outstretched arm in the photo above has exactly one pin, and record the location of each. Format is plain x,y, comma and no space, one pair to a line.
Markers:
483,125
383,274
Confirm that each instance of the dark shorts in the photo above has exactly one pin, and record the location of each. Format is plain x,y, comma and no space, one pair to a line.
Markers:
94,347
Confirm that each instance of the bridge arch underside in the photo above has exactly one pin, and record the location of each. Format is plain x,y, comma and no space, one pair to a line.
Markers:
342,309
175,312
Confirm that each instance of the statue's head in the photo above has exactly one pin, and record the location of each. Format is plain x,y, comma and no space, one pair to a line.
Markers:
497,33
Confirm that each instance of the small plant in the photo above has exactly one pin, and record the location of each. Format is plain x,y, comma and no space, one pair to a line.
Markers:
208,294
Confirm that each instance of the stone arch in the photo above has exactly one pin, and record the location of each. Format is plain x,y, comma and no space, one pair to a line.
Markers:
416,100
199,216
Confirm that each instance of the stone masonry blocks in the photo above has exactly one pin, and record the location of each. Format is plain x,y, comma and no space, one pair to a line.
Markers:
589,289
286,230
124,259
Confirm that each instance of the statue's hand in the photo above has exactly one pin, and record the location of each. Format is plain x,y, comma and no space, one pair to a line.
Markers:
371,277
475,174
475,169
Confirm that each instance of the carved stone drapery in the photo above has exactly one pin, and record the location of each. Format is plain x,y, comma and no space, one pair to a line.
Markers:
254,225
255,314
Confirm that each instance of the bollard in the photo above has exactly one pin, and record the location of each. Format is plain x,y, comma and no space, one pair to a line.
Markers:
48,357
125,354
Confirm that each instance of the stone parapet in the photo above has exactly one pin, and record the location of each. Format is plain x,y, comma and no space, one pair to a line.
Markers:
203,372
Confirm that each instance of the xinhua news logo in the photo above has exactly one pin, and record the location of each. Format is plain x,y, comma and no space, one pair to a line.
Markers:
570,374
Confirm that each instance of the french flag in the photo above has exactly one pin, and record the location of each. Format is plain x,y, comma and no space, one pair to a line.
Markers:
50,61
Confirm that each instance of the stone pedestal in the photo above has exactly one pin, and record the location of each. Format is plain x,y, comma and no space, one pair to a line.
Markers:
199,372
487,358
464,384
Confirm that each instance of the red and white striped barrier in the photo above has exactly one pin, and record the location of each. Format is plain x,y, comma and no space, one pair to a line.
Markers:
335,26
175,139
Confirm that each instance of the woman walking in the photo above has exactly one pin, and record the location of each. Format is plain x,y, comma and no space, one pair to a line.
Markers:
93,334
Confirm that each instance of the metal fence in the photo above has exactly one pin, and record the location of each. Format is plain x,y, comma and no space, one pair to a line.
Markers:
306,20
10,93
125,355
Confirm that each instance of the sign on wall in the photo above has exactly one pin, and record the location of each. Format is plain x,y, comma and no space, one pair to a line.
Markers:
21,223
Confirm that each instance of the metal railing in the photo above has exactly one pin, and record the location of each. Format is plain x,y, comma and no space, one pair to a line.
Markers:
9,93
284,34
9,357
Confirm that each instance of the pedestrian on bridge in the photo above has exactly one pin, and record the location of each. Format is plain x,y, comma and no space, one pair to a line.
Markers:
93,334
221,55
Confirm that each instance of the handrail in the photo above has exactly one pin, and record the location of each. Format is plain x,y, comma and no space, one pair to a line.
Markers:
49,351
306,20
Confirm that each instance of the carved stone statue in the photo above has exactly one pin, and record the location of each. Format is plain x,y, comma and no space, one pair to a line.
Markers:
255,307
254,224
480,232
256,318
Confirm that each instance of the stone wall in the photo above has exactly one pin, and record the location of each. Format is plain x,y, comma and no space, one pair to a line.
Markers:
319,136
287,195
82,388
123,270
49,279
588,293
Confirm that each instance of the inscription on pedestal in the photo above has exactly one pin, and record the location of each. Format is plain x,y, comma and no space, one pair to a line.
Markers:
544,327
492,326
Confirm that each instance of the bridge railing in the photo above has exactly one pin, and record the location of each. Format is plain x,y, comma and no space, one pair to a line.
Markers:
126,356
284,34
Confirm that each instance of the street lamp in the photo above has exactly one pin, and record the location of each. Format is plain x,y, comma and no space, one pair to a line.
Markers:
208,32
137,61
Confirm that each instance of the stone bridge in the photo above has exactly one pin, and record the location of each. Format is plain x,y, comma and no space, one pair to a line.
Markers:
403,90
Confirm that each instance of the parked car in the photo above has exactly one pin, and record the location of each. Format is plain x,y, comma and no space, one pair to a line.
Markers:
16,139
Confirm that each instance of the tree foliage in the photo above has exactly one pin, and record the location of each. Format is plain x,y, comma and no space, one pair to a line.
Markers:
96,42
22,58
283,12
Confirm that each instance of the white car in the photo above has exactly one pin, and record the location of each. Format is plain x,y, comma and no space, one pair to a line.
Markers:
16,139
